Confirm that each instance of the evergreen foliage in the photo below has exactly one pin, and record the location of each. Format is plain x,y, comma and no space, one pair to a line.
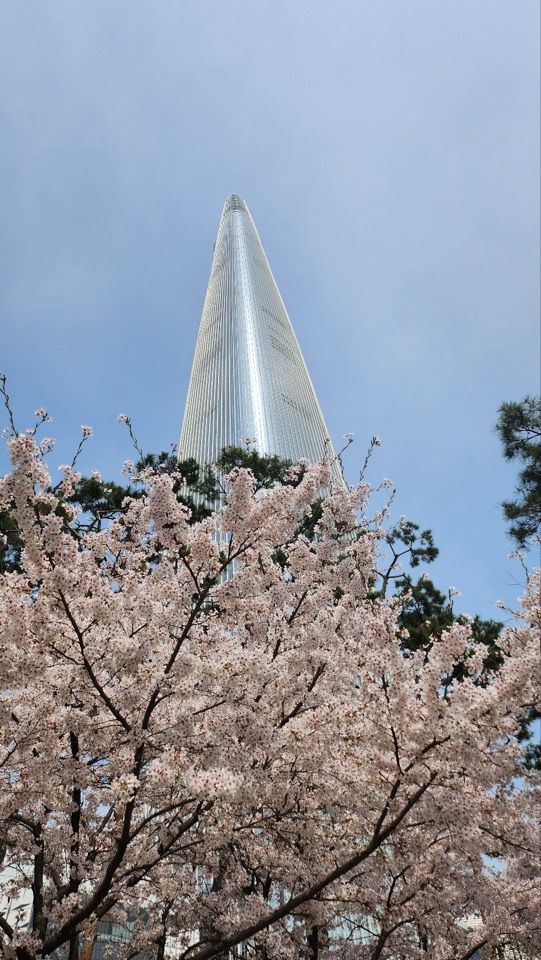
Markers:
519,429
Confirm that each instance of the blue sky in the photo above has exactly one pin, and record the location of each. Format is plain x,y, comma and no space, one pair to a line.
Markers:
389,153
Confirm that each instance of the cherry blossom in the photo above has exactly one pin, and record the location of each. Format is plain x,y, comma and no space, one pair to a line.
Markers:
212,733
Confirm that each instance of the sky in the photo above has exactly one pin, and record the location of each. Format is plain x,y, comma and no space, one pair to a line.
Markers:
389,154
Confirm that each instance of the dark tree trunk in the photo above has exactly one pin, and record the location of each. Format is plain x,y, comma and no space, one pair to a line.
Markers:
74,947
313,943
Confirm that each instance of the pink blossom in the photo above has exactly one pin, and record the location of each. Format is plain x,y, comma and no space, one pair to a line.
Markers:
41,412
219,716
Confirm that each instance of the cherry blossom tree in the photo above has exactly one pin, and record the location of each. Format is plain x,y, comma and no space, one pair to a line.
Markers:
213,734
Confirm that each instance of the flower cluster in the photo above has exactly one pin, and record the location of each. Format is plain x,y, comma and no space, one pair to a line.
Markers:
42,414
214,727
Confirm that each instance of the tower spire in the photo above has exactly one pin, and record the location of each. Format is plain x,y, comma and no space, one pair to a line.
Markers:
248,376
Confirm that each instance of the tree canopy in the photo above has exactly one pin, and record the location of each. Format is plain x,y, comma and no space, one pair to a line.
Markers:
519,429
216,733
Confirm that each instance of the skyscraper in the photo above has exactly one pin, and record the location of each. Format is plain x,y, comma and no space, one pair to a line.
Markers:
248,375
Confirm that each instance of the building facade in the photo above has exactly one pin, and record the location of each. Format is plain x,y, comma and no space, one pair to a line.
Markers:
248,379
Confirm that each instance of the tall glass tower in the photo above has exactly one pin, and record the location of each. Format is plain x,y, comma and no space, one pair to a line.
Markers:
248,375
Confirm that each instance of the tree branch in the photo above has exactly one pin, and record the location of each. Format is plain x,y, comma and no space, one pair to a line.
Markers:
219,948
88,667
